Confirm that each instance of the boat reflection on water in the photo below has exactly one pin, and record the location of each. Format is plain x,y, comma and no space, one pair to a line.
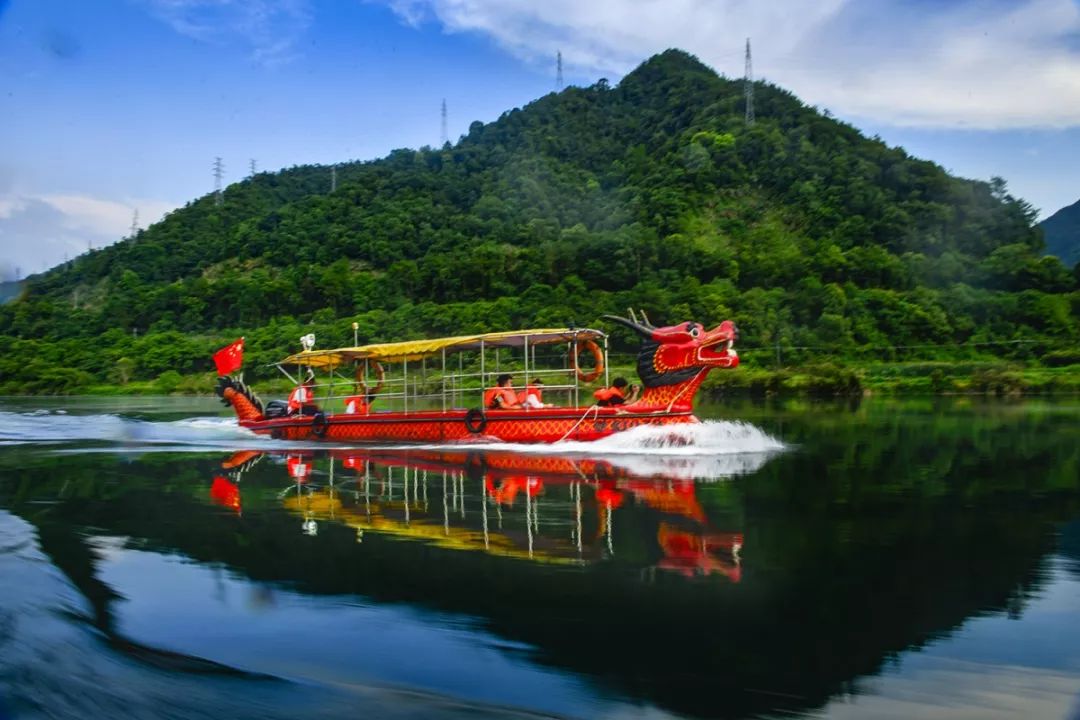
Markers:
557,510
225,491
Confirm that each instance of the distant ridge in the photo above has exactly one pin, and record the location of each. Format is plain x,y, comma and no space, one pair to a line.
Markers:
1062,234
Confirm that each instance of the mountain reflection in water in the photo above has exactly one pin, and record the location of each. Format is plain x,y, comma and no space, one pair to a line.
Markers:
431,582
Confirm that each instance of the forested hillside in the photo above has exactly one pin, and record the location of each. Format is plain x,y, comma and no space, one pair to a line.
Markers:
1062,232
654,194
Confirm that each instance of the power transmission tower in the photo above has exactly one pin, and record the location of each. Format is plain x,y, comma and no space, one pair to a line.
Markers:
748,85
445,134
333,178
558,72
219,171
251,166
135,223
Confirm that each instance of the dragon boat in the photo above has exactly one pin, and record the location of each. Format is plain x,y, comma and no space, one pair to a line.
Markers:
432,391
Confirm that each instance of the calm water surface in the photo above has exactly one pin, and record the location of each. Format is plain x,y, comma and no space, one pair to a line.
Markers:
865,559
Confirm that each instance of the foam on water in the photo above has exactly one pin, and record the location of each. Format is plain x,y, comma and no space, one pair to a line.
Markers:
711,437
692,467
53,427
712,449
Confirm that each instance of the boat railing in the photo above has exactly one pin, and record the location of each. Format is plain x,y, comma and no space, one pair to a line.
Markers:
453,391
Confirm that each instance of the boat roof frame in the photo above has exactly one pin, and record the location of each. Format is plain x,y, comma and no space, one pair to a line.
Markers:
418,349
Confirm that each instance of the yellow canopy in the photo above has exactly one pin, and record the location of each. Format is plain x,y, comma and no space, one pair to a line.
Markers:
417,349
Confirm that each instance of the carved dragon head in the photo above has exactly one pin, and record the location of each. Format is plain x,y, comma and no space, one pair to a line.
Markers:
679,355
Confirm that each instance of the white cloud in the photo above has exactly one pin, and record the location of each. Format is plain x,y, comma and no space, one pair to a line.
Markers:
270,28
83,213
10,205
40,231
973,63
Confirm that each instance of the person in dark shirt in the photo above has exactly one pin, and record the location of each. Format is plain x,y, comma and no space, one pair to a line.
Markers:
502,396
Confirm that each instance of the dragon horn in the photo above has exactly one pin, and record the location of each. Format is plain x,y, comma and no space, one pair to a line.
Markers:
630,324
645,319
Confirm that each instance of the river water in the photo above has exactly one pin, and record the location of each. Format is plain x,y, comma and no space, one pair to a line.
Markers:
862,559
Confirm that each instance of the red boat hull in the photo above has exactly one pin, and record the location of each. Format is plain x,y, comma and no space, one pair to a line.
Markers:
545,425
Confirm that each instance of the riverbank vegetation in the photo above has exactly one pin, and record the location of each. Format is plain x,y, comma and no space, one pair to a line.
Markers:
847,264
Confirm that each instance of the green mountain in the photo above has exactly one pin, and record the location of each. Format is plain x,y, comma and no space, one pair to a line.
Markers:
654,193
1062,233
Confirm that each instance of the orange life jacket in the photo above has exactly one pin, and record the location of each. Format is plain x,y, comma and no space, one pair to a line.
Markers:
299,397
610,395
299,468
356,405
507,398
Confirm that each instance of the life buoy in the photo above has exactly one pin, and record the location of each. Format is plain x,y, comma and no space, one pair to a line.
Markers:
598,358
475,421
380,376
319,424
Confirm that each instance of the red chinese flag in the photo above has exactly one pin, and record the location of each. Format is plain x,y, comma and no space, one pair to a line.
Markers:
229,358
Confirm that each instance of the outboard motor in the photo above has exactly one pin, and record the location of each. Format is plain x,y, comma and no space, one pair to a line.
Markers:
276,409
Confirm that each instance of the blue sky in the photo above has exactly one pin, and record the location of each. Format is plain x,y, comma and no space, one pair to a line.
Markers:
114,105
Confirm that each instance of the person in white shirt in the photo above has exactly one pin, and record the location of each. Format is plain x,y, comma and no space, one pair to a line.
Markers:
532,395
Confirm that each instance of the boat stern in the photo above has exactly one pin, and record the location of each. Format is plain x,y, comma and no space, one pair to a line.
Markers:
236,394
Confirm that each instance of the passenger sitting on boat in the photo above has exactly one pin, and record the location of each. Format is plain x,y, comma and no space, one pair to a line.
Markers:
533,394
617,393
302,398
359,402
502,396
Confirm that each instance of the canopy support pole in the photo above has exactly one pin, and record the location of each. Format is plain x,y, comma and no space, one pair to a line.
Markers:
286,374
607,365
574,366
